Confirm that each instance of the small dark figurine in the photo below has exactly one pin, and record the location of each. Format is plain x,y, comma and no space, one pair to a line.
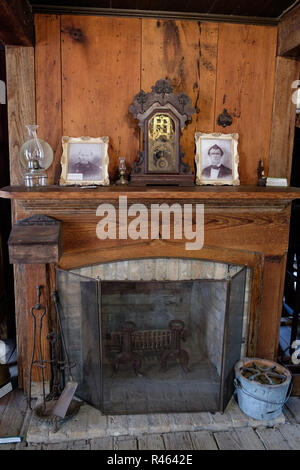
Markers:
261,180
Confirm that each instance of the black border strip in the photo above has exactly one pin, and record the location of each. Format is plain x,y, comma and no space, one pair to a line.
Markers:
75,10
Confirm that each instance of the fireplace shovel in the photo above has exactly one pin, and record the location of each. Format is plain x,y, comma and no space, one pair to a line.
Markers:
61,406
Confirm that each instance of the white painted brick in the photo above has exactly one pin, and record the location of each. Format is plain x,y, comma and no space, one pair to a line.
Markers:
117,425
159,423
138,424
173,269
161,273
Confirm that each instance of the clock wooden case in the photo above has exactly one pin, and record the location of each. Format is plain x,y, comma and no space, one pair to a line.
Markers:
162,114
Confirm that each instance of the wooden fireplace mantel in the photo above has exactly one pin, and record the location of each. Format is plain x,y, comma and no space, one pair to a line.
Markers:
217,193
246,225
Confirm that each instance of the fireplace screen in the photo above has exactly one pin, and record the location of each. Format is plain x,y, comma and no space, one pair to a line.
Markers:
153,346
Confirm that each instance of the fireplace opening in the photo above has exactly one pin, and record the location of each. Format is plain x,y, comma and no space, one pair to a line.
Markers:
153,346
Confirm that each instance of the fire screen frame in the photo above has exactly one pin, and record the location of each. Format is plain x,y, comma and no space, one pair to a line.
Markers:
90,387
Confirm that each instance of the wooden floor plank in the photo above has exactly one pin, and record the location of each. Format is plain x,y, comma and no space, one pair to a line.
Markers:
24,428
243,439
272,439
293,405
151,442
7,447
178,441
103,443
125,443
291,433
3,404
32,447
13,416
81,444
203,440
56,446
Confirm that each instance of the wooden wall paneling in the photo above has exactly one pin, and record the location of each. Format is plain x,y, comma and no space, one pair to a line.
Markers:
271,306
101,75
289,34
48,87
52,316
20,103
185,52
21,111
245,85
36,275
254,304
16,23
4,155
21,316
283,119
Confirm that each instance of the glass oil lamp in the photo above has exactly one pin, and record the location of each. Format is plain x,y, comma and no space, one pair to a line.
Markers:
36,156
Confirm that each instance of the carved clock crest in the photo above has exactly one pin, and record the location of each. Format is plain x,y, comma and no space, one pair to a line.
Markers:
162,114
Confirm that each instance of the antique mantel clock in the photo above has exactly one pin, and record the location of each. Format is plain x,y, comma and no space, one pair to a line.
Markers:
162,115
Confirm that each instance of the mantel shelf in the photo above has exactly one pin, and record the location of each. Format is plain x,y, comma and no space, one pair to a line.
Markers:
201,193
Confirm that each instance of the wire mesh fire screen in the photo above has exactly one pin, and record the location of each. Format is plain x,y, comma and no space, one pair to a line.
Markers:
153,346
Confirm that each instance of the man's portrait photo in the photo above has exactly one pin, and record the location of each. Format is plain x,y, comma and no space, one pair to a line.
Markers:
216,158
216,169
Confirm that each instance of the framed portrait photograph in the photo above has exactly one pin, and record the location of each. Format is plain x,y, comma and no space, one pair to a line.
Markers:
85,161
217,159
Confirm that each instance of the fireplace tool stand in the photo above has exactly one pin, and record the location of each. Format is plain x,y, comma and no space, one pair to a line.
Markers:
58,404
35,311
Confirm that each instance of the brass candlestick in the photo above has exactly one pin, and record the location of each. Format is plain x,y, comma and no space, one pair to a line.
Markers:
122,171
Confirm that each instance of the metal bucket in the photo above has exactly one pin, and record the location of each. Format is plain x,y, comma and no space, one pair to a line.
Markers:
258,400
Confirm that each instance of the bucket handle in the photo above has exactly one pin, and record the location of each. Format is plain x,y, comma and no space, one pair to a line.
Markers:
237,384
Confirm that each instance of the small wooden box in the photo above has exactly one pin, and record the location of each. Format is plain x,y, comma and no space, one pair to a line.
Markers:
35,240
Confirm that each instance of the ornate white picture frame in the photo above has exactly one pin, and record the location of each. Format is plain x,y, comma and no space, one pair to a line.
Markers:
84,161
217,159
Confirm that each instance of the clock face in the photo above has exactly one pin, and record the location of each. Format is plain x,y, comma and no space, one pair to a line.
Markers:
162,144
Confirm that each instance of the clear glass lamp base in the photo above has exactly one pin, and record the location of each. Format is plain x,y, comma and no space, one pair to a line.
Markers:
34,179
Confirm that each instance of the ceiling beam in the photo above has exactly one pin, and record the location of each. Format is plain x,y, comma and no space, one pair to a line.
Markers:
16,23
289,34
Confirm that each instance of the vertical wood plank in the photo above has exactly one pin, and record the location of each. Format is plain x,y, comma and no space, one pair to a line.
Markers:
101,75
245,86
271,306
48,87
35,275
185,52
20,308
283,119
21,111
20,103
254,307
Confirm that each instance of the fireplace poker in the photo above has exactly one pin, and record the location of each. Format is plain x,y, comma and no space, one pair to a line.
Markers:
55,389
60,408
